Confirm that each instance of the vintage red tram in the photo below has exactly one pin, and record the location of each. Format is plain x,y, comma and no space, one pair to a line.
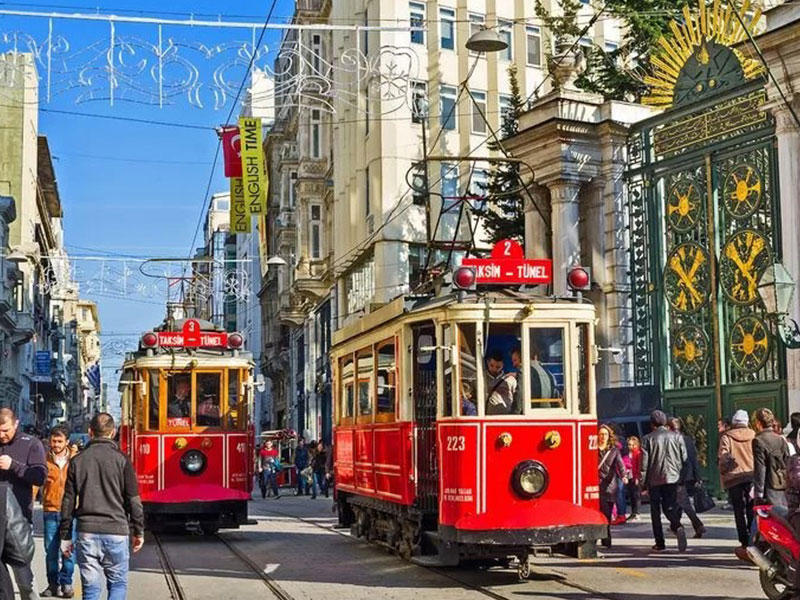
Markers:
429,460
185,425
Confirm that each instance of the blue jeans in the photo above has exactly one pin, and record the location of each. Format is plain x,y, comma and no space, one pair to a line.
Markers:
56,575
301,481
319,484
101,553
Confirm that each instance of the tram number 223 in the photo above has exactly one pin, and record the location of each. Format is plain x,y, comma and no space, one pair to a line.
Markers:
455,443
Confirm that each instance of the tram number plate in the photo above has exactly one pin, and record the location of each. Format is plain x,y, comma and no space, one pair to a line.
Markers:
456,443
592,442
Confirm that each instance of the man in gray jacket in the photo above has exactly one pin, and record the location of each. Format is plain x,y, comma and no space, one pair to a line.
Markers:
663,456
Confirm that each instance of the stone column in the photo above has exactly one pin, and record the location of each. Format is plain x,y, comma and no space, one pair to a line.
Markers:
593,246
788,135
537,226
566,230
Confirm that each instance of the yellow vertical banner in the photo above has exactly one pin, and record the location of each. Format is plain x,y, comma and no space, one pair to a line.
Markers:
254,173
240,218
262,243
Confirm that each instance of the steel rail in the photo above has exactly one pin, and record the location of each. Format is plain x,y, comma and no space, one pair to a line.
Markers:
174,585
477,588
268,581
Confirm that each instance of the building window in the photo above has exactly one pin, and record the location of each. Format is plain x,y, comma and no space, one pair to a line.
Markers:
366,190
292,183
478,112
447,28
585,42
447,118
316,232
417,10
419,101
611,46
534,35
449,175
316,133
476,24
505,107
316,53
506,31
478,186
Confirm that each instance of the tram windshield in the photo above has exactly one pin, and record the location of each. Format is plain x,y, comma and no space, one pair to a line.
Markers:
523,369
179,400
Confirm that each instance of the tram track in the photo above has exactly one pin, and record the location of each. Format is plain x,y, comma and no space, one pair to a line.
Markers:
177,590
484,591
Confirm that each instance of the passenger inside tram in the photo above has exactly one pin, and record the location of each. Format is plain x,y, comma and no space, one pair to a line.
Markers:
501,386
179,407
208,400
546,368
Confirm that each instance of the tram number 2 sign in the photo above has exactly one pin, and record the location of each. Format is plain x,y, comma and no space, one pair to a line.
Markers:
507,265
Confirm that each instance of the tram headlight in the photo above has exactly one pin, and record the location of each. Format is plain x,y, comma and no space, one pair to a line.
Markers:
193,462
530,479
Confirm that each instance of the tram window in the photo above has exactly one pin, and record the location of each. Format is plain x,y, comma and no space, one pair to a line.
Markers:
501,370
153,392
179,400
467,370
348,396
387,379
447,343
365,366
584,368
208,399
234,401
546,367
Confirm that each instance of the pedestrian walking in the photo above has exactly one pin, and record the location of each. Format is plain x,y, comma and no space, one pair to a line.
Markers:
319,464
59,576
22,465
610,471
735,460
793,503
690,475
663,455
791,437
101,493
268,466
16,545
301,462
633,465
770,456
620,505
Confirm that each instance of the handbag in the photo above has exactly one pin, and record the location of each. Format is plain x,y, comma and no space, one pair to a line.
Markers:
702,499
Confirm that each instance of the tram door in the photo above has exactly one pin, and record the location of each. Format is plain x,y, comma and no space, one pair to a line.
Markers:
424,391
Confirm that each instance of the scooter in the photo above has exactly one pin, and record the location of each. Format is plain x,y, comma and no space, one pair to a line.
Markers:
775,551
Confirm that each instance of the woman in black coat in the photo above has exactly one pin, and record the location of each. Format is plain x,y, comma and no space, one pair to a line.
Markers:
610,470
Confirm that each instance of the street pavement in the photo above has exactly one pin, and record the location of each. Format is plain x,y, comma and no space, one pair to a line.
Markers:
295,543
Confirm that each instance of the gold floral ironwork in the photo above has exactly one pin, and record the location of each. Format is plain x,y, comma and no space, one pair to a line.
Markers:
749,344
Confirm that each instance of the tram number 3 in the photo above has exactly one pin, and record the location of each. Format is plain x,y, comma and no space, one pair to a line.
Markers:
592,442
455,443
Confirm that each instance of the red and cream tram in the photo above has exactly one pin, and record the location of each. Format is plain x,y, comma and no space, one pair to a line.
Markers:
185,425
437,459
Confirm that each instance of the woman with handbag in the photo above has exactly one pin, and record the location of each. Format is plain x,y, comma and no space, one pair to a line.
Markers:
610,469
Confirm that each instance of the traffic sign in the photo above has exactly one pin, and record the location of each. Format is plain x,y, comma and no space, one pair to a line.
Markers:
507,265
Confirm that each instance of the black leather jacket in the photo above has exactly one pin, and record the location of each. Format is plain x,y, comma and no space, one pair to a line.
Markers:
16,540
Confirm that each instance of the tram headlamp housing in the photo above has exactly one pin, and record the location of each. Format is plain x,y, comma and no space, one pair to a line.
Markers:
530,479
193,462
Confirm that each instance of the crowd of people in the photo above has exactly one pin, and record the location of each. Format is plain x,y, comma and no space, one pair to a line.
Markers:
753,458
91,510
313,468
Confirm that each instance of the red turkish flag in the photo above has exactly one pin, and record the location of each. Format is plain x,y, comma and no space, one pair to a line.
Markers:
232,150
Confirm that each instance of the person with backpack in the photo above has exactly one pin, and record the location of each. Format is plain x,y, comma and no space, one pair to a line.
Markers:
770,456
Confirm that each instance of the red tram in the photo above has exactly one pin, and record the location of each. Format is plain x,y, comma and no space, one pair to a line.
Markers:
185,425
431,462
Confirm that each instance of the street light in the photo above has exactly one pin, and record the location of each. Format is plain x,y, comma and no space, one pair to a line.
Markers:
486,40
276,261
776,288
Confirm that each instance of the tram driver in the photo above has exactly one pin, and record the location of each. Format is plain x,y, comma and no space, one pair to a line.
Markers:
501,387
180,404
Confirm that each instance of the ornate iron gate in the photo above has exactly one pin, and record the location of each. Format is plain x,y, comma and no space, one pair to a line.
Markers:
704,226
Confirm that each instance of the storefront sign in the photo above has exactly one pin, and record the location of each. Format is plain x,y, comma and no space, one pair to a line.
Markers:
43,362
240,218
232,151
507,265
254,173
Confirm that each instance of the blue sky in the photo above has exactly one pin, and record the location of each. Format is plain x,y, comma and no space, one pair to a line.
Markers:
134,188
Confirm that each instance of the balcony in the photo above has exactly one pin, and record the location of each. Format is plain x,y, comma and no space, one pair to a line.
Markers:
312,280
309,5
24,329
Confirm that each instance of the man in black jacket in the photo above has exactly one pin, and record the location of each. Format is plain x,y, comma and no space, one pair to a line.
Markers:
690,475
22,465
16,540
101,492
770,457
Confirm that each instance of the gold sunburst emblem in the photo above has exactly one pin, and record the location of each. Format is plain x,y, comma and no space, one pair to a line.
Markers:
689,39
